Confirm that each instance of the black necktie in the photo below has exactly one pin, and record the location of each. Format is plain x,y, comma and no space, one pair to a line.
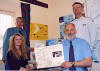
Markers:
71,56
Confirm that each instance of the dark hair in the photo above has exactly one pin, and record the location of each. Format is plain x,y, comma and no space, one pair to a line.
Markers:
78,3
19,18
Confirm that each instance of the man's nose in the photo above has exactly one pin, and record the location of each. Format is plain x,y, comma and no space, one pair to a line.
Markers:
75,8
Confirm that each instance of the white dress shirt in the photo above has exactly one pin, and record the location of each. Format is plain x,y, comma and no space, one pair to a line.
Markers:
86,30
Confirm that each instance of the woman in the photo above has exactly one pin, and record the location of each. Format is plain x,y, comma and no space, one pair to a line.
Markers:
17,55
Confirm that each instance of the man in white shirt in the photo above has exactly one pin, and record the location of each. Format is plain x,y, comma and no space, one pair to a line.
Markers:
85,26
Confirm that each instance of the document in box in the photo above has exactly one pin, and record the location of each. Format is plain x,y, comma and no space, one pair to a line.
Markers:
49,56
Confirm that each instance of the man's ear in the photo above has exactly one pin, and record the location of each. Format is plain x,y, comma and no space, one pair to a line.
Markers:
82,9
64,29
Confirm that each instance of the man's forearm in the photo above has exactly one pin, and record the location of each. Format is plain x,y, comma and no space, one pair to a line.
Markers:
87,62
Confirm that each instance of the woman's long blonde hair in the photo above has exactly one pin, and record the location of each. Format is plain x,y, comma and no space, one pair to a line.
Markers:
22,48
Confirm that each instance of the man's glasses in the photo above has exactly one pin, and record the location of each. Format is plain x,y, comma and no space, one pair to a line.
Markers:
19,21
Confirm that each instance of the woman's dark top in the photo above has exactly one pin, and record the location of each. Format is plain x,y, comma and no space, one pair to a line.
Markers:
14,63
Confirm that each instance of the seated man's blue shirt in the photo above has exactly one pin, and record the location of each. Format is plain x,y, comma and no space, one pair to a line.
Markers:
81,51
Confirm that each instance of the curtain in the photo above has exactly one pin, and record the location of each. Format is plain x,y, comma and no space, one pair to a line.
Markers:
25,9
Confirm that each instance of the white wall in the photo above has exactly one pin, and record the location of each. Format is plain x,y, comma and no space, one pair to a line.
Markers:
49,16
57,9
11,6
39,15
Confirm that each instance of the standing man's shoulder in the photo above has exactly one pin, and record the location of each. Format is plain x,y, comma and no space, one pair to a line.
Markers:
89,21
88,18
11,28
83,18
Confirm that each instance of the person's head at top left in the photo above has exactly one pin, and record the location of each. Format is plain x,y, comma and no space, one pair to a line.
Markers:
19,22
70,31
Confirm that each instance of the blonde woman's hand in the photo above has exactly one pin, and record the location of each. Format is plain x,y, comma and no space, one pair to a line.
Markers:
29,67
23,69
32,49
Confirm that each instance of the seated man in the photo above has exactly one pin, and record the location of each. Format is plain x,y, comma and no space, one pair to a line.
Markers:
77,51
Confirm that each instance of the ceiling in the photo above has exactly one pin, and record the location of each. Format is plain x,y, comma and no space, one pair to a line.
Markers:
12,5
44,1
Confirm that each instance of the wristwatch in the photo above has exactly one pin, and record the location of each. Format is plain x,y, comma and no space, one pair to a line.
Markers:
73,64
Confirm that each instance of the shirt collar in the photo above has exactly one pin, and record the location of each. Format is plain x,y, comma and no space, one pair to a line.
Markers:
71,40
18,29
80,18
